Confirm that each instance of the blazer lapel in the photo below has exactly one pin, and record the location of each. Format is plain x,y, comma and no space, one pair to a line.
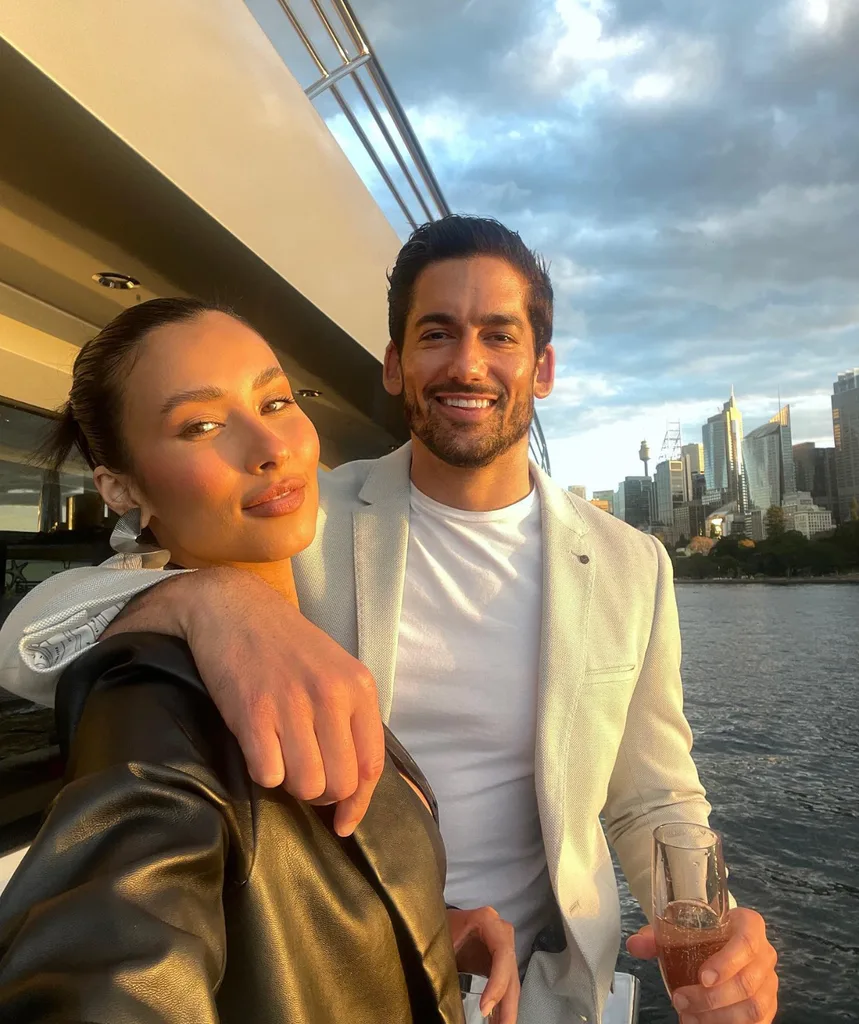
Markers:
568,578
381,535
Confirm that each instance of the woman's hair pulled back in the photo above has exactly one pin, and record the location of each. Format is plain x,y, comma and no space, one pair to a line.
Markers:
91,420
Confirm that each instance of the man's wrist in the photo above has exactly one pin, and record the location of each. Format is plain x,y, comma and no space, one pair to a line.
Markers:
166,607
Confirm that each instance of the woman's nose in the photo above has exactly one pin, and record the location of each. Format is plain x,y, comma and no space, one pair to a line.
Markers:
266,451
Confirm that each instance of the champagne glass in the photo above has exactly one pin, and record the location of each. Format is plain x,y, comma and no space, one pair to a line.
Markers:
690,900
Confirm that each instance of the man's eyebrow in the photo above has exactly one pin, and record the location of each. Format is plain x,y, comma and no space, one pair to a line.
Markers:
207,393
489,320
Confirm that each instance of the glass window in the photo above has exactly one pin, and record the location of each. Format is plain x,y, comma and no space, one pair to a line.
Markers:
48,522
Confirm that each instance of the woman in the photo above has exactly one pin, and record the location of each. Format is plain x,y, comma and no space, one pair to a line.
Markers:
165,886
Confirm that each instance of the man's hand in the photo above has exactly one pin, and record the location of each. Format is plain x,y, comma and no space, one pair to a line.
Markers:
484,945
304,711
739,984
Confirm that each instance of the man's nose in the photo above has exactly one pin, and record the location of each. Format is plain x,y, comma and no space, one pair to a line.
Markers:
468,361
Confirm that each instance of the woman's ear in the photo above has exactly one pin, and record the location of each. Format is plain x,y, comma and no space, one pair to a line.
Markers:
120,494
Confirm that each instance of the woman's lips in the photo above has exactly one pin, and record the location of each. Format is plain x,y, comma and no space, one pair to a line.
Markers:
282,505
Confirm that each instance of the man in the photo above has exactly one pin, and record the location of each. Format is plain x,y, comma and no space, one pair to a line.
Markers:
524,646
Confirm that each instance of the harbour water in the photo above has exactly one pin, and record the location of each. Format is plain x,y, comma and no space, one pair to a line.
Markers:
772,692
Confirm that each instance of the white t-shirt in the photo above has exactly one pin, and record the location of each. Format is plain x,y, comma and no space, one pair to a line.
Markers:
465,698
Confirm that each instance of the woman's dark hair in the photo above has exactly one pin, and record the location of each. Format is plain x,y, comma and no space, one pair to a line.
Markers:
91,420
457,238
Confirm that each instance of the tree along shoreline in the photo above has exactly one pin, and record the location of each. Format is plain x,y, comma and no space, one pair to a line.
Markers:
784,556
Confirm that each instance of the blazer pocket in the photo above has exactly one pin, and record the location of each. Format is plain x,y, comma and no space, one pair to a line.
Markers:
610,674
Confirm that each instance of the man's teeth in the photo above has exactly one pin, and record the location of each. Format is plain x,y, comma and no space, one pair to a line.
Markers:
467,403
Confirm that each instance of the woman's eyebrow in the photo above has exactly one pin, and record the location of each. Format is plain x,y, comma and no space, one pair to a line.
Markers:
207,393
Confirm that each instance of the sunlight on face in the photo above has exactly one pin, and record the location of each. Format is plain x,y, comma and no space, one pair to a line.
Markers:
468,367
223,459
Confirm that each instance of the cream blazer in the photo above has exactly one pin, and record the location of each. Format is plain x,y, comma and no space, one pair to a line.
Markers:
612,740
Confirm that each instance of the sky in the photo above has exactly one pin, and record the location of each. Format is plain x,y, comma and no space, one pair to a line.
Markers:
689,168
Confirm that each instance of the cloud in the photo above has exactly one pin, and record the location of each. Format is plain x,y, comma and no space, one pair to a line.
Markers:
690,169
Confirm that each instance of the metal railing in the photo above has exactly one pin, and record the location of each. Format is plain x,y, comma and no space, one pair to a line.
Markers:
417,194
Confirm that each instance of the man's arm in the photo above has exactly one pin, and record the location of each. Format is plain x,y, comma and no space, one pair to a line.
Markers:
654,780
307,716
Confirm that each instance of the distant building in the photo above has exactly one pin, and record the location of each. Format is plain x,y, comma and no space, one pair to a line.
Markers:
694,454
633,498
579,491
606,496
669,491
803,515
845,427
756,527
690,520
810,522
768,466
723,452
601,503
816,473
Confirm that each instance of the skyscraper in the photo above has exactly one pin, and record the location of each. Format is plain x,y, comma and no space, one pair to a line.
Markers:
632,501
816,473
723,452
670,490
845,426
579,490
768,462
695,454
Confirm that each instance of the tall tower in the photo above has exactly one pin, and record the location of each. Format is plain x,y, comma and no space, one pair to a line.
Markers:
644,455
723,453
845,426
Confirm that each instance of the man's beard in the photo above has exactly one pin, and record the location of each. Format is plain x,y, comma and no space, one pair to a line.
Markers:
464,445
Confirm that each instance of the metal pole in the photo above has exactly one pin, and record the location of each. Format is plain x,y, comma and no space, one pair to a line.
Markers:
383,128
374,156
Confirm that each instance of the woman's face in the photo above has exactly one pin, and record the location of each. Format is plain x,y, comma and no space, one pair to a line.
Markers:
223,462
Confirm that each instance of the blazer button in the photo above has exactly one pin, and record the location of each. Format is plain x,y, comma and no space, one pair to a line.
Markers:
584,559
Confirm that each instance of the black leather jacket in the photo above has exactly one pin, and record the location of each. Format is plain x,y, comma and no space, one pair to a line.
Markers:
166,888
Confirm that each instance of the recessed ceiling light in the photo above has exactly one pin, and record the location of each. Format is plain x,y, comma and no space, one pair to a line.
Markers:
110,279
308,393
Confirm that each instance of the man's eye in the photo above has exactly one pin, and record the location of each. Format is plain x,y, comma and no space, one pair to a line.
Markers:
436,336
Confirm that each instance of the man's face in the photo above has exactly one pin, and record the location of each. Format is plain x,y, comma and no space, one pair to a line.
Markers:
468,371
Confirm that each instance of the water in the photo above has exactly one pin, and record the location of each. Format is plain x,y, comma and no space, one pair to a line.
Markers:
772,692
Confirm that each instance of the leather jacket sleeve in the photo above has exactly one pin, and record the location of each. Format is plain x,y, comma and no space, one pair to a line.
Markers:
126,877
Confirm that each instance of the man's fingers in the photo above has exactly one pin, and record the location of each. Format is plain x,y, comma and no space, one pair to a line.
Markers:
745,985
758,1009
368,738
748,938
261,746
503,985
337,750
305,771
642,945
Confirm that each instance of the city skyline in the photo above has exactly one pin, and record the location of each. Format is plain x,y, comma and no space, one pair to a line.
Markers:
632,465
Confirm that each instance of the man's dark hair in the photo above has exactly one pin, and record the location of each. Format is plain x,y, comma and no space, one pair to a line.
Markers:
458,238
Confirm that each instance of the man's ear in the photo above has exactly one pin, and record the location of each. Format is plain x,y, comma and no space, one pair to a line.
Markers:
544,375
119,494
392,371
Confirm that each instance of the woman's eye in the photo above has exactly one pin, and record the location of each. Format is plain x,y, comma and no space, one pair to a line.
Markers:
199,429
278,404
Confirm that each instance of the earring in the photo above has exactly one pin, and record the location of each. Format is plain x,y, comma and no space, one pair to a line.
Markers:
125,540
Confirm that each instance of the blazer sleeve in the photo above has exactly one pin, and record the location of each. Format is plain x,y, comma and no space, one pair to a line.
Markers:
116,912
63,617
654,779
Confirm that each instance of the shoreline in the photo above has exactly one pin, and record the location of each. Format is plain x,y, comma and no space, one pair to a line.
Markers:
778,581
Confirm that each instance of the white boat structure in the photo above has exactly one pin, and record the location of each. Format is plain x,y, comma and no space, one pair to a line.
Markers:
185,148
